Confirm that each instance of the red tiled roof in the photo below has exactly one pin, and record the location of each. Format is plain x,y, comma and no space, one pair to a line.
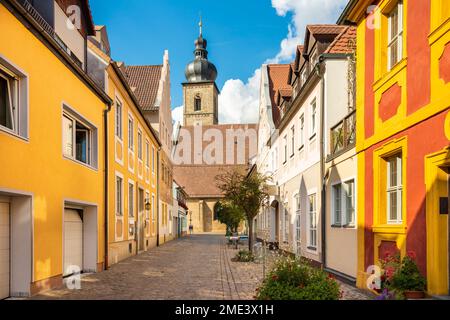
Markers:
144,80
317,29
198,179
345,42
278,79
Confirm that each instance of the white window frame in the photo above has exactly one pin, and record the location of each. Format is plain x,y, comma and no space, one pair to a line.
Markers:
119,119
313,119
285,149
153,214
19,107
293,140
153,160
397,38
286,223
349,223
92,146
139,142
337,208
131,200
398,189
312,227
302,131
130,132
119,200
147,153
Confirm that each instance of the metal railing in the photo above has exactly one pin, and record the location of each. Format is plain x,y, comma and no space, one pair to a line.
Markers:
48,29
343,134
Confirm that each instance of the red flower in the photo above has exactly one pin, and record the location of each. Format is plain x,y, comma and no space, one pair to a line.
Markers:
330,276
274,278
412,255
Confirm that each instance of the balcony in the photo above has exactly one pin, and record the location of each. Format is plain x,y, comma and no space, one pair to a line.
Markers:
342,135
48,29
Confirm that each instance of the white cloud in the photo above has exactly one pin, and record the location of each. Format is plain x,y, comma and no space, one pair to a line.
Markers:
238,101
177,114
304,12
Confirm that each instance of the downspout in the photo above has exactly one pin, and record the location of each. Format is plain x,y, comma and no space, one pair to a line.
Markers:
320,73
105,124
157,201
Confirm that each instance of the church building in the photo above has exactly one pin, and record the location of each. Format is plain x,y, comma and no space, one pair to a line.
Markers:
204,148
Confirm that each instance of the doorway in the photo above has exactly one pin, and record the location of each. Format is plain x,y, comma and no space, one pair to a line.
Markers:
5,253
73,242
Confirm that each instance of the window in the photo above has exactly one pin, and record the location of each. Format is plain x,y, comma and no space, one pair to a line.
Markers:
395,37
79,139
312,225
302,131
350,203
337,205
197,103
130,133
140,144
285,149
147,153
130,200
314,59
118,119
394,189
153,160
304,75
286,225
147,212
8,101
298,223
292,141
153,214
13,100
343,197
119,188
313,118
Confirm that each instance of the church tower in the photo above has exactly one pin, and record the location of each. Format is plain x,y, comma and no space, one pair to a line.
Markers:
200,91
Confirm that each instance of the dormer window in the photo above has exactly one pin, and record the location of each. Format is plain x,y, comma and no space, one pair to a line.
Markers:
197,103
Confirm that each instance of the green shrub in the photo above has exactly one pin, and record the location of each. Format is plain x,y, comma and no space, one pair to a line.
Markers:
244,256
292,279
407,277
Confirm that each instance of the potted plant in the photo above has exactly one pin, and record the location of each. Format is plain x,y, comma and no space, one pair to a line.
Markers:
407,279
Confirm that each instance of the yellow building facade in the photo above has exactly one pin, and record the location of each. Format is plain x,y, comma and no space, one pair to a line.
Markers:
51,160
133,175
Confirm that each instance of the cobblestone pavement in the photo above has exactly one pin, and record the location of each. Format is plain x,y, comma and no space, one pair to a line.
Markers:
196,267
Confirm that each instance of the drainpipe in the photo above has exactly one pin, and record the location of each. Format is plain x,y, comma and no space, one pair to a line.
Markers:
157,202
320,73
105,124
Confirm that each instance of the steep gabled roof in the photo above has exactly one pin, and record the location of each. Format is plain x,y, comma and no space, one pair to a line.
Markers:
144,80
344,43
278,79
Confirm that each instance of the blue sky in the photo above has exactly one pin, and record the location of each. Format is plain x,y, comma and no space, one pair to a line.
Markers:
241,34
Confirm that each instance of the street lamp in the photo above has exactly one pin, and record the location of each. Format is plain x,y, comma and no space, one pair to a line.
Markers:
148,205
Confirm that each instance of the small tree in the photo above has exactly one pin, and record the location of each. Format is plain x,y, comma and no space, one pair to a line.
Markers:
229,215
246,192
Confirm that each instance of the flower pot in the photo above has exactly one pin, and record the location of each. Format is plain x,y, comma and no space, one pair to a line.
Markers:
414,295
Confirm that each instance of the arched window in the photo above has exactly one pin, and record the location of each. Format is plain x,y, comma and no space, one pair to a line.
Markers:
197,103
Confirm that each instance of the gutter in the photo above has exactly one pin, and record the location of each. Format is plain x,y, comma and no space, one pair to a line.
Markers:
106,177
320,73
157,199
350,6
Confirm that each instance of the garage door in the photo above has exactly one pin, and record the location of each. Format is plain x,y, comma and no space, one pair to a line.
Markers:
4,250
73,241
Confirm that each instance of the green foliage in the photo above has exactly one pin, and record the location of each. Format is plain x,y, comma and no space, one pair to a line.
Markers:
407,277
246,192
245,256
229,215
292,279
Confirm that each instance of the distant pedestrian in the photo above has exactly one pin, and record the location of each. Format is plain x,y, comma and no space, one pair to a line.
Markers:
191,229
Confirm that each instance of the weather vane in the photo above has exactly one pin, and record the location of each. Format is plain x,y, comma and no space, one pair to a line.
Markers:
200,24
